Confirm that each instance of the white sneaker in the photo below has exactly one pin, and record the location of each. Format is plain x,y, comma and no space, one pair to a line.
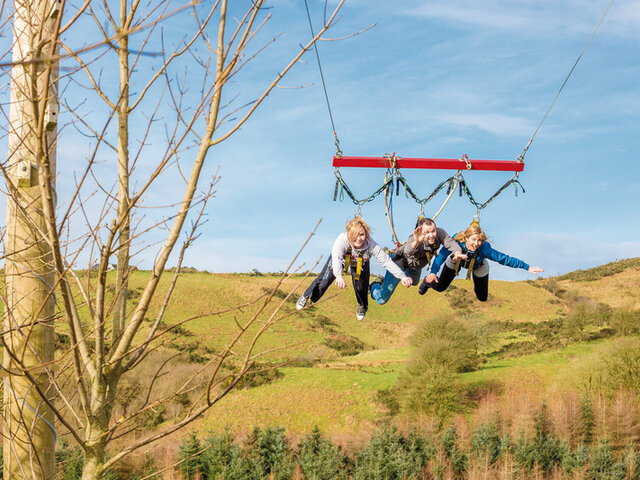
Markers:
361,312
302,302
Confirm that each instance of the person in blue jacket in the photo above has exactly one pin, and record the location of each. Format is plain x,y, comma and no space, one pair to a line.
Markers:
476,251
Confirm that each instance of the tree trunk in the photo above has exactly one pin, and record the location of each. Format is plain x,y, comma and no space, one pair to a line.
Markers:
29,436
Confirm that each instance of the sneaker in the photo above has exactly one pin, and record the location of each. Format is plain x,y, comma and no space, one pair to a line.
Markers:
302,302
376,281
361,312
424,286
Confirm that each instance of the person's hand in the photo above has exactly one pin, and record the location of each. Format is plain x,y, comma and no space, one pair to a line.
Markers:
432,277
419,235
458,256
535,270
407,282
340,283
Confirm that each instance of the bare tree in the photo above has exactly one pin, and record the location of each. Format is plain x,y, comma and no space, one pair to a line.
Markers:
168,106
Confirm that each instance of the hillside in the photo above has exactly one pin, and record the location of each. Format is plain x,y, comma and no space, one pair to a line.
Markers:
542,340
337,365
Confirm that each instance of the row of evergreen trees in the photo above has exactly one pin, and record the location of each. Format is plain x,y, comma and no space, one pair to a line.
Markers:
392,455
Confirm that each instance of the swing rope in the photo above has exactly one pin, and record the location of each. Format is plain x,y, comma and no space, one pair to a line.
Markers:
524,152
324,85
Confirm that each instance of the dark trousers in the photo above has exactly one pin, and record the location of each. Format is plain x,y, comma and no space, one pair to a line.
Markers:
480,284
326,277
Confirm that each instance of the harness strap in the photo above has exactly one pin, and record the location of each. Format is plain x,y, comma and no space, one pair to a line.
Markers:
347,264
347,261
469,267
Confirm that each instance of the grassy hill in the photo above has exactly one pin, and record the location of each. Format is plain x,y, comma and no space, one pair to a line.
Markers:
332,367
543,341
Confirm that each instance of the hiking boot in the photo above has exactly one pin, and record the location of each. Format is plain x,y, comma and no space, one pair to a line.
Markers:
424,286
361,312
302,302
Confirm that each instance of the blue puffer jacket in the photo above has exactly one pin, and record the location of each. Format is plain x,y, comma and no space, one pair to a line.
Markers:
485,251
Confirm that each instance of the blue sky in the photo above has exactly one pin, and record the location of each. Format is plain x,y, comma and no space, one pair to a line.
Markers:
440,79
430,79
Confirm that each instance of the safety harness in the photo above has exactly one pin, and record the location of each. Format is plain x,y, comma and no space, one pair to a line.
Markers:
468,264
358,265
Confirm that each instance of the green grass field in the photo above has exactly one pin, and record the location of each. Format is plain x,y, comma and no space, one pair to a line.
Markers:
333,366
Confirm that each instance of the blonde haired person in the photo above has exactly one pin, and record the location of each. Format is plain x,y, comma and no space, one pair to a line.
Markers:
356,244
476,251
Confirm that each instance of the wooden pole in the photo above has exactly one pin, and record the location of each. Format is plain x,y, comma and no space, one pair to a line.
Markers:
29,435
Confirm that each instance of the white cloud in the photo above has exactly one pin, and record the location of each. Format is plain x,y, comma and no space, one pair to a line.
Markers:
494,123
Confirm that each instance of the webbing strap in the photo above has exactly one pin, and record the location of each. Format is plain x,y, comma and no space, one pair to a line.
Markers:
469,267
347,264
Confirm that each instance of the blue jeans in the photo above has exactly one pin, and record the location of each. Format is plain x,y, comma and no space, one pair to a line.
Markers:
382,293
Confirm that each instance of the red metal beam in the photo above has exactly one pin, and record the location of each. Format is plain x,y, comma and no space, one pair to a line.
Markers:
433,163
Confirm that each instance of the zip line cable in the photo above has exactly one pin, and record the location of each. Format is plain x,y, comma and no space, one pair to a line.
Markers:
524,152
324,85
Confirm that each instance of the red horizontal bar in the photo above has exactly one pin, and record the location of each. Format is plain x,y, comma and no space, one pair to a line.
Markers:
434,163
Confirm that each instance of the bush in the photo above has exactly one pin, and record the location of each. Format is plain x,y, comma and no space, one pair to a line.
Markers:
486,442
445,340
458,458
616,368
270,455
346,345
582,315
190,454
434,390
390,455
544,450
69,461
225,460
625,322
319,459
603,465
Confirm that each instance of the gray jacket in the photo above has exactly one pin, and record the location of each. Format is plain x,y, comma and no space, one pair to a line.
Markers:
342,246
408,258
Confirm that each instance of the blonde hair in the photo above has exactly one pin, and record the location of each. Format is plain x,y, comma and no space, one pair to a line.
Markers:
473,229
354,226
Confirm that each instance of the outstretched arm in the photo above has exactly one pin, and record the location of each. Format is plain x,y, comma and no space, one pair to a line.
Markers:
389,264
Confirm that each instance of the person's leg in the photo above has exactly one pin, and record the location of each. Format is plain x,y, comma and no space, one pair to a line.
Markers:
444,280
447,275
481,281
361,286
381,293
321,283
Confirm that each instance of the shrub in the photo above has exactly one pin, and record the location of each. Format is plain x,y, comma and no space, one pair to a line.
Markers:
190,454
390,455
458,458
618,368
445,340
574,460
434,390
544,450
225,460
625,321
69,461
486,442
319,459
270,455
588,421
388,397
346,345
603,465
